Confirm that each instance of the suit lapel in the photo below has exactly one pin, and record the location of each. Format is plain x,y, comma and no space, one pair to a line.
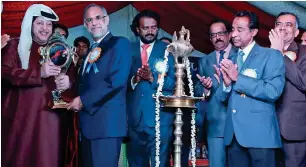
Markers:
103,43
293,47
213,58
103,46
233,54
157,52
253,52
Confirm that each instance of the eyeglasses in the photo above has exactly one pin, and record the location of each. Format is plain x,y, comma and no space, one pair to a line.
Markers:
221,33
97,18
287,24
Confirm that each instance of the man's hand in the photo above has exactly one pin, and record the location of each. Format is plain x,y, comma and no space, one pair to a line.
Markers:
62,82
276,39
226,79
4,39
145,73
230,68
75,105
217,74
137,77
49,69
206,82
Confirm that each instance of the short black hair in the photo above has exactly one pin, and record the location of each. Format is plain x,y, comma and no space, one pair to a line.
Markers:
166,38
81,39
292,14
254,23
61,26
145,13
226,24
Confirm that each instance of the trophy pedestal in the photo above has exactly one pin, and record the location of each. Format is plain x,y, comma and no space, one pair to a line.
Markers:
58,104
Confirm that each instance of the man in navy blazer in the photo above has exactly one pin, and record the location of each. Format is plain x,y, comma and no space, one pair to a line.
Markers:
292,104
209,79
251,130
148,54
102,92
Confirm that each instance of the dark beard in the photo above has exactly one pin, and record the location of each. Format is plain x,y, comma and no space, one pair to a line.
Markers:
145,41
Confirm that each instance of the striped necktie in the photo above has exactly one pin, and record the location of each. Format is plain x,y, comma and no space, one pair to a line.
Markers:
240,60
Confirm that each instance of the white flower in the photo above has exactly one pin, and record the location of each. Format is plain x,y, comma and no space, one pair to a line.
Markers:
161,67
250,73
291,55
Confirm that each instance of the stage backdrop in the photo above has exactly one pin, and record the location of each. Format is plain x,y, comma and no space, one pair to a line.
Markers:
194,15
120,22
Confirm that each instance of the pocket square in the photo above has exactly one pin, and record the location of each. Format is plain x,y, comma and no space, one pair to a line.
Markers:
250,73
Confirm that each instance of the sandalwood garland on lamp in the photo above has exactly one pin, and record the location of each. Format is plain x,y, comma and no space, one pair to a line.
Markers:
157,111
193,114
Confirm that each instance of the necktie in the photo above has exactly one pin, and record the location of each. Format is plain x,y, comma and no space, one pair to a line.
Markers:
144,54
240,60
94,45
86,60
221,55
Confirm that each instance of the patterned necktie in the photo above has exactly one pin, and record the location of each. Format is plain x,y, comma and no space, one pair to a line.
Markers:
144,54
240,60
94,45
86,60
221,55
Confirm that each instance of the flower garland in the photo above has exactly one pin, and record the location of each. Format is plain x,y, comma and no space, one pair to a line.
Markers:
157,111
193,114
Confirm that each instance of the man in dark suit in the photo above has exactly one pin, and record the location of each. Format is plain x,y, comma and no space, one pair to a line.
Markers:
148,55
209,79
292,104
102,92
251,130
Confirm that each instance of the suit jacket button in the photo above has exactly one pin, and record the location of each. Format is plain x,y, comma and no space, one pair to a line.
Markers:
234,111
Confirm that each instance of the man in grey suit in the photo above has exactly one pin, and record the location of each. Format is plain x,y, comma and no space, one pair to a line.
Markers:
251,130
292,104
209,80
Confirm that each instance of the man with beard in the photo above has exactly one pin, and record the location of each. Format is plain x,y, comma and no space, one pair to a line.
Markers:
291,106
102,92
33,135
209,80
144,80
251,131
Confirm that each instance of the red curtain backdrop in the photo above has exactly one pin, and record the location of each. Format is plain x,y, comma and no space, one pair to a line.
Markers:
195,16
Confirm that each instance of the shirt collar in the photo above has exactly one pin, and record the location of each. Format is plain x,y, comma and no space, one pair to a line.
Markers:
247,49
226,52
228,48
102,38
151,44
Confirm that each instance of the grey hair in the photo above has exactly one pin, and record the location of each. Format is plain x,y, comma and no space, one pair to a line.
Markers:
297,20
94,5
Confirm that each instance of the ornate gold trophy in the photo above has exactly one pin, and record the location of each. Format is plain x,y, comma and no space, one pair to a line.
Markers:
61,54
181,49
